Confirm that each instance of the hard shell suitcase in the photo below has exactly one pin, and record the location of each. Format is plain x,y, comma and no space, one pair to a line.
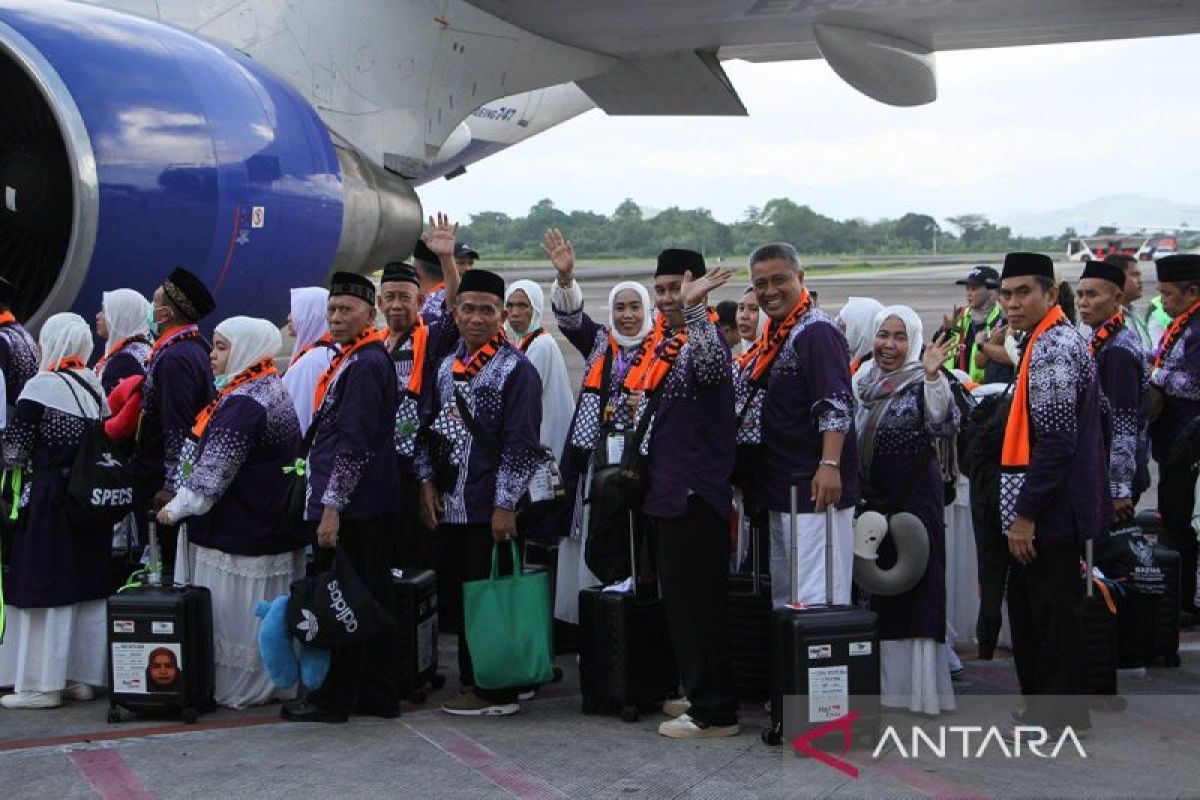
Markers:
1099,628
824,660
160,646
750,627
416,631
625,657
1149,623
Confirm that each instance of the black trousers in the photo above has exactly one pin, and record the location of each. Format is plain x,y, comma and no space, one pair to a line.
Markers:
414,542
465,553
1175,500
1045,601
992,560
364,678
693,568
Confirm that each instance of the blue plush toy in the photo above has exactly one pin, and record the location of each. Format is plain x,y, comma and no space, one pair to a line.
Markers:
286,659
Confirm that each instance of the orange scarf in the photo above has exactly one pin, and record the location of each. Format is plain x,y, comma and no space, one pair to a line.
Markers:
1018,430
592,381
1106,331
252,373
325,341
647,374
70,362
479,359
369,336
420,340
169,338
1173,333
99,368
7,318
768,344
528,338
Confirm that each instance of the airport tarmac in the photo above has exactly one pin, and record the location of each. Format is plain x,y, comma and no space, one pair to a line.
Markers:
551,750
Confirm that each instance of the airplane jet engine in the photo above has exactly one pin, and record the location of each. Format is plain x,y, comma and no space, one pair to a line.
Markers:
128,147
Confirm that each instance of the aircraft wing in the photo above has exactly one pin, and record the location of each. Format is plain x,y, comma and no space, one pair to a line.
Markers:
669,50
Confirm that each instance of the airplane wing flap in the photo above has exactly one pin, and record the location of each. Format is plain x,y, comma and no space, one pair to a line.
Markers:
686,83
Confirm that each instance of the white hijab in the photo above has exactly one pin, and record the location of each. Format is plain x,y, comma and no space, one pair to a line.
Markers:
250,341
125,314
536,299
647,311
308,315
858,318
65,335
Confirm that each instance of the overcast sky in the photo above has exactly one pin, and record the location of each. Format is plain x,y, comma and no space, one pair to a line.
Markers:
1014,130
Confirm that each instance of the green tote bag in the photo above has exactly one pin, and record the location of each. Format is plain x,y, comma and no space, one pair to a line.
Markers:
509,626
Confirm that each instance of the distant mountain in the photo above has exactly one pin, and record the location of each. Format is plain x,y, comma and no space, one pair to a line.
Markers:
1124,210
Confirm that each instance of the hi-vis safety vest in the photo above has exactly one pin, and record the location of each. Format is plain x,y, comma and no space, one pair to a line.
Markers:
963,328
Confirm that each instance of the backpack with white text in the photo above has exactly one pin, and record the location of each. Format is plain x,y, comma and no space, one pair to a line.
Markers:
100,487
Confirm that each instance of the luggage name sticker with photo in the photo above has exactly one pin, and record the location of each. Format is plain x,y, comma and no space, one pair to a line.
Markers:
147,667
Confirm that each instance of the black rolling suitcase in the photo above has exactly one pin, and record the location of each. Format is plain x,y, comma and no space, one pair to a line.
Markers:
160,645
824,659
625,657
750,626
416,631
1149,608
1099,629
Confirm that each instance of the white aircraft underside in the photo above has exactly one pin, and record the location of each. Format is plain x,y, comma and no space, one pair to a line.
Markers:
425,87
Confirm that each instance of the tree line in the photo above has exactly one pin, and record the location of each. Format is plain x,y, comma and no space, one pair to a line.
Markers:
630,233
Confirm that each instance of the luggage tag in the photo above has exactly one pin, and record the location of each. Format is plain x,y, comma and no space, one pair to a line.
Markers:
614,447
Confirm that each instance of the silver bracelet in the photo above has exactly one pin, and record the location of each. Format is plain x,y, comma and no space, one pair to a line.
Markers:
825,462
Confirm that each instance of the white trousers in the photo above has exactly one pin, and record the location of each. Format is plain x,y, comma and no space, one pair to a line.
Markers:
810,561
46,647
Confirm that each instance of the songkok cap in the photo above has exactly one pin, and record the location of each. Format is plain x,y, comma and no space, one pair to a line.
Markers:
1178,268
981,275
480,280
464,250
422,253
1104,271
674,261
399,272
7,291
352,284
1017,265
188,294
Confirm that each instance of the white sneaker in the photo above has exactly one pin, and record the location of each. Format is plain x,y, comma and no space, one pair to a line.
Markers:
527,695
79,691
32,700
684,727
676,707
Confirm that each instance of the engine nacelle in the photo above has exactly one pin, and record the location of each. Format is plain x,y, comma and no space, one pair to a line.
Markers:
128,147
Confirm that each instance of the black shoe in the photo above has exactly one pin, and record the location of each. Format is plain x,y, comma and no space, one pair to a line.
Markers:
303,711
986,653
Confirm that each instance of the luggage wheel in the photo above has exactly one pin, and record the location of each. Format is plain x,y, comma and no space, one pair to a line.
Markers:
438,680
114,715
189,714
631,713
772,737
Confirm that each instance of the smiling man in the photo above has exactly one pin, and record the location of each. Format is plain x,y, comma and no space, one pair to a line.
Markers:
1053,489
794,402
1124,375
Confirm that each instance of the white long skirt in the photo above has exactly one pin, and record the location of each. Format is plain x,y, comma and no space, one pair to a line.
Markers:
573,575
915,676
46,647
237,583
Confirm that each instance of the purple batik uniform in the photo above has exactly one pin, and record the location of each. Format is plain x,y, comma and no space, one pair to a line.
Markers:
1179,381
179,384
53,563
905,475
1124,371
127,362
807,393
434,307
239,463
1065,487
18,359
352,466
413,412
504,398
690,439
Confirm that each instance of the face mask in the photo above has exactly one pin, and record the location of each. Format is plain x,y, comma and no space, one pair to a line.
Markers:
220,381
151,322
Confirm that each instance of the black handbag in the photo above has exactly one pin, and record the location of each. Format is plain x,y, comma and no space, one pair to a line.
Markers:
333,609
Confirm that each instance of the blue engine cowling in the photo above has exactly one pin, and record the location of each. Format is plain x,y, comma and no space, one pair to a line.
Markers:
128,147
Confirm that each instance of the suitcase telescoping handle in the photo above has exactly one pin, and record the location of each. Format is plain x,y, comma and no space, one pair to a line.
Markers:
795,546
155,576
181,547
1087,578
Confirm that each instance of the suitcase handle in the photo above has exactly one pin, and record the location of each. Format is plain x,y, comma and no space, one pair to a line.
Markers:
155,576
795,546
1088,555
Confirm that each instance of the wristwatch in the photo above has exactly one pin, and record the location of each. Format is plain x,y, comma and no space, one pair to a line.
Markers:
826,462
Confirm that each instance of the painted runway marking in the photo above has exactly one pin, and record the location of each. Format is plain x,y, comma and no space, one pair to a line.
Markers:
109,775
491,766
116,734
